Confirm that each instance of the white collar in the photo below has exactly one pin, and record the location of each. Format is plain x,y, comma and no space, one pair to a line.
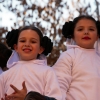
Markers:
14,58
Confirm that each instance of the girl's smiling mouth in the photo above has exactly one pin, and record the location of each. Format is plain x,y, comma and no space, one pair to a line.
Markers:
27,50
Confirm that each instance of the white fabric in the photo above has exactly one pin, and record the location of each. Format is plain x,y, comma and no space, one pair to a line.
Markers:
1,71
78,72
70,42
15,58
43,57
96,45
37,76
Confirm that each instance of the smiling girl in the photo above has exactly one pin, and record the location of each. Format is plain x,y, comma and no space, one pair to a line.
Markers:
25,65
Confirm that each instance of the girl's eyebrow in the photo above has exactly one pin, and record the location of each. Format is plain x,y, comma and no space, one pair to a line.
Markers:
34,39
25,38
83,26
93,26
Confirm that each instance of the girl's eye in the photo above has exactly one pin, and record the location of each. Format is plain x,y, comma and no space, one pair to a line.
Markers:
80,29
22,41
33,41
92,29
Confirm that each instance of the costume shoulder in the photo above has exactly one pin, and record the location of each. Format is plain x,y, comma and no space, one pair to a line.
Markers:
68,58
68,54
71,52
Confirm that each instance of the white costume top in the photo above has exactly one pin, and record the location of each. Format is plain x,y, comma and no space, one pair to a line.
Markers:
78,72
1,70
37,76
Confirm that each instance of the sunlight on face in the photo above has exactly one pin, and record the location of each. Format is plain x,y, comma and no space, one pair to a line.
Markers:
85,33
28,46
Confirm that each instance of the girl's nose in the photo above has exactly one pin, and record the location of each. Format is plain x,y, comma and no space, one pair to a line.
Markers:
27,44
86,32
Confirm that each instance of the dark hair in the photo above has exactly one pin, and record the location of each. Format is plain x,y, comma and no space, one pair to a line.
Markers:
45,42
32,95
12,37
68,27
5,53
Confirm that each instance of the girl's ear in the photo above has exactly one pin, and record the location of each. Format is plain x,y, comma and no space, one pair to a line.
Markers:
15,47
41,50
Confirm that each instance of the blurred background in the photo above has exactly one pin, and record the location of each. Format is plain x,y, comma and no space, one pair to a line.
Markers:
48,15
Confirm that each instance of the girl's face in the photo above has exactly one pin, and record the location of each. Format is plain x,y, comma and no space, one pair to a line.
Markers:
28,45
85,33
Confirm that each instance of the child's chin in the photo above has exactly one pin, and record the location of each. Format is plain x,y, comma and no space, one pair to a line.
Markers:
27,59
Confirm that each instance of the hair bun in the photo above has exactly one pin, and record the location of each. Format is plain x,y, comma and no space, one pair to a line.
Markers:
11,38
47,45
67,29
98,27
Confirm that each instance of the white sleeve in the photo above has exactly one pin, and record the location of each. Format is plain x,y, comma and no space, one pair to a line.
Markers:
52,88
1,71
63,69
2,93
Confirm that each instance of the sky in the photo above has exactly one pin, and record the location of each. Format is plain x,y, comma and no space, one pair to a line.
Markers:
7,18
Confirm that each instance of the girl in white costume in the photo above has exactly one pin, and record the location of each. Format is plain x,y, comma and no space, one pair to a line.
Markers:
25,65
78,68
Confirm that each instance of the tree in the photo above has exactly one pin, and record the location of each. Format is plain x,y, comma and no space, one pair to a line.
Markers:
49,16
